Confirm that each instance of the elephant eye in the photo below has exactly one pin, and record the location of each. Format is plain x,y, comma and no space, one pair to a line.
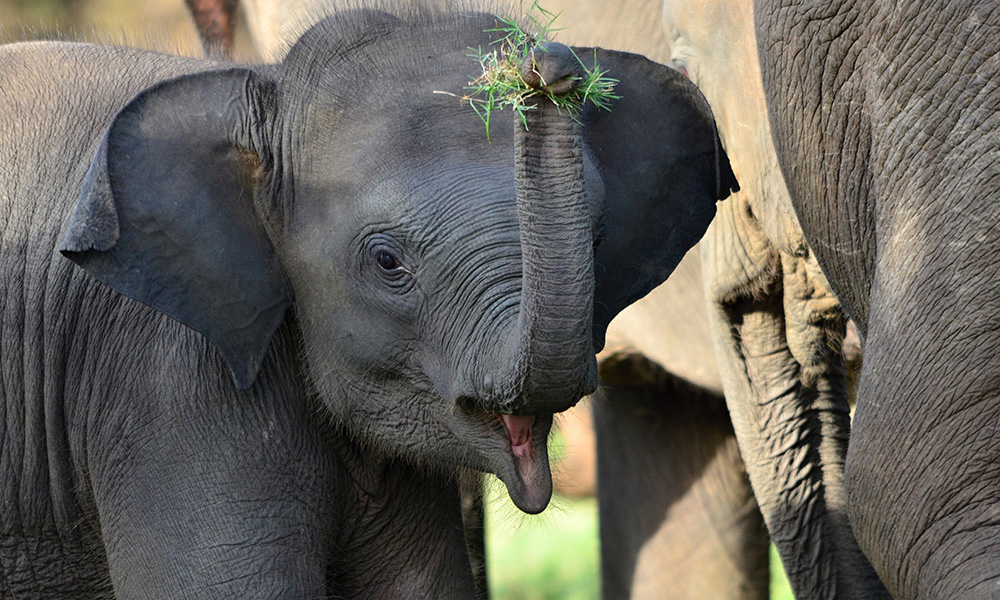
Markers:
386,261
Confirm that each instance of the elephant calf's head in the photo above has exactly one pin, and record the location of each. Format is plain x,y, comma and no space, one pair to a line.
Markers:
450,289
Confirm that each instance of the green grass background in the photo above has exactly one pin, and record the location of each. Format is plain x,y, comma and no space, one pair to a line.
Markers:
556,555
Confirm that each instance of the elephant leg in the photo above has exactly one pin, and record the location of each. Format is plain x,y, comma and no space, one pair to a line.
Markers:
677,516
923,471
778,332
210,503
470,486
792,420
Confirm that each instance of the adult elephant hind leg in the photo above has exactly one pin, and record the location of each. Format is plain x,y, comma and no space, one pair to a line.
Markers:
678,518
787,397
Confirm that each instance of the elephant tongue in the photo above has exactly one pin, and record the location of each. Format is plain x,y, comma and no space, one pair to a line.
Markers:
519,432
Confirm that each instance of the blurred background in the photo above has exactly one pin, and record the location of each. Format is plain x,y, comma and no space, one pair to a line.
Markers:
552,556
165,22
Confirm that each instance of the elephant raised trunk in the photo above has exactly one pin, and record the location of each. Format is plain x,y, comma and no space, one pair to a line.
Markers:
554,364
554,328
547,363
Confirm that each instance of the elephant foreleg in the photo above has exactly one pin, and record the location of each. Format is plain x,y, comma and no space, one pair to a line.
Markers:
678,518
778,331
786,391
470,486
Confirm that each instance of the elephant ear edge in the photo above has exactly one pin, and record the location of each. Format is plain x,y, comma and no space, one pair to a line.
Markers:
663,168
166,212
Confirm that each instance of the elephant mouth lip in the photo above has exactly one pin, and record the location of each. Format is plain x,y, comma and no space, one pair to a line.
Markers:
525,471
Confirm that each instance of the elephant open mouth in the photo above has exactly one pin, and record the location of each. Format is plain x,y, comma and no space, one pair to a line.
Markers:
516,450
519,431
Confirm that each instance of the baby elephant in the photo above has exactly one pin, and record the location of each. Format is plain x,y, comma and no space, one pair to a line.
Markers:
299,297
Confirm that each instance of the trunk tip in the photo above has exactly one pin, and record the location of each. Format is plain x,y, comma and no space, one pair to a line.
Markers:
553,68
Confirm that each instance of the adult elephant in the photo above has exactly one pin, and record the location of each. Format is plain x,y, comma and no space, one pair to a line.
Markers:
677,515
886,120
776,325
303,297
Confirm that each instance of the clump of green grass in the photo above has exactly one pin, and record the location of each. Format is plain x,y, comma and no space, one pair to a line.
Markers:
501,85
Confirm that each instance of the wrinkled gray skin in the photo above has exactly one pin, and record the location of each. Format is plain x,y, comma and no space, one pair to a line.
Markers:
765,288
886,122
678,518
215,21
303,296
774,322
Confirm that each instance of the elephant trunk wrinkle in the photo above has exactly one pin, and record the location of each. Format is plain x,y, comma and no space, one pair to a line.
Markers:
554,365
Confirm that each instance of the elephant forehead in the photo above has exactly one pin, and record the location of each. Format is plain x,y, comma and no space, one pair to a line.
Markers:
430,207
385,74
377,137
445,201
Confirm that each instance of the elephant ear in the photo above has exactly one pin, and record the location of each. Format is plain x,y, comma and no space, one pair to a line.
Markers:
663,169
166,214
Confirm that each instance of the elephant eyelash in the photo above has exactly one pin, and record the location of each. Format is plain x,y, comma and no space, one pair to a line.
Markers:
389,263
385,253
599,238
